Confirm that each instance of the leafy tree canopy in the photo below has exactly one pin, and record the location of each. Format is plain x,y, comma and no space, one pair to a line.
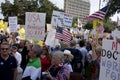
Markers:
19,7
114,7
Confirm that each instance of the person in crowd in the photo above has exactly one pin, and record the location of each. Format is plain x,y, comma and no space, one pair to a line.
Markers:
77,60
67,59
18,57
57,70
45,58
24,53
33,68
96,57
83,51
88,62
8,63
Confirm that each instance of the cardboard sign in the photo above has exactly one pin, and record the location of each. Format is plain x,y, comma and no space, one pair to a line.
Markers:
35,25
13,24
50,40
61,19
110,60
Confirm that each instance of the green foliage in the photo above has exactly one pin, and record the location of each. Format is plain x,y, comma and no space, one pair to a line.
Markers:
74,23
108,25
114,7
18,8
88,25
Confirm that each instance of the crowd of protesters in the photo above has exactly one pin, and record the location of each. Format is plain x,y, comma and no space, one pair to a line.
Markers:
22,60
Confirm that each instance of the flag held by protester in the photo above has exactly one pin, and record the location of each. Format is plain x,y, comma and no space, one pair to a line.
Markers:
63,34
99,14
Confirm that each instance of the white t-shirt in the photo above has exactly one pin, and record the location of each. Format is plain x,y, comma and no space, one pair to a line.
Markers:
18,57
69,67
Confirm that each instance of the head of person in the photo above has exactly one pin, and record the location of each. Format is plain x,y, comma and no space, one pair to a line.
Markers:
35,51
22,43
73,43
98,50
82,43
45,50
14,48
67,55
57,58
18,38
5,48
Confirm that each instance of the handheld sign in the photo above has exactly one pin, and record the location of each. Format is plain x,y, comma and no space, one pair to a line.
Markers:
61,19
110,60
13,24
35,25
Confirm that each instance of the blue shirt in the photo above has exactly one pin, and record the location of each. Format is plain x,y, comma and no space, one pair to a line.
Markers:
6,68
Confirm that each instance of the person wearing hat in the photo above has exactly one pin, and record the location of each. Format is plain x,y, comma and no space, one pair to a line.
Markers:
67,59
18,57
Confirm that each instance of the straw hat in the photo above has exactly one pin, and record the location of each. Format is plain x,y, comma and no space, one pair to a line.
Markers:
67,52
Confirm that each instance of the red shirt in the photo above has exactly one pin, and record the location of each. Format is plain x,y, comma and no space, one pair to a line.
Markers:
45,63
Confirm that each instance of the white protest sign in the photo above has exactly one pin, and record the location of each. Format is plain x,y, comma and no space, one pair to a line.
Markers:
35,25
110,60
116,33
61,19
13,24
50,40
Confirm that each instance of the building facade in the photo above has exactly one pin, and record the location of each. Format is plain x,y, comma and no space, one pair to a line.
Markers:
78,8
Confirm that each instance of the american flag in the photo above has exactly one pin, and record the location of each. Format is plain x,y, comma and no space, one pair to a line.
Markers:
99,14
63,34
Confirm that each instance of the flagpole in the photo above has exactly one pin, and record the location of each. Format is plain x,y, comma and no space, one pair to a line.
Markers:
99,4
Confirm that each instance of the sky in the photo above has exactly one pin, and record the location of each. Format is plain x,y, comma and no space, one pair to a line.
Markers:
93,8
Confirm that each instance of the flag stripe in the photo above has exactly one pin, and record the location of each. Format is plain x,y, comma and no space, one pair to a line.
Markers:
63,34
99,14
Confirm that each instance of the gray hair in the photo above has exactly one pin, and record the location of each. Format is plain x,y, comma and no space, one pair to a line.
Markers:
37,49
59,54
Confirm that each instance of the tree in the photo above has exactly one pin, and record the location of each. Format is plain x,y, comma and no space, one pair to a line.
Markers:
109,25
114,7
74,23
88,25
18,8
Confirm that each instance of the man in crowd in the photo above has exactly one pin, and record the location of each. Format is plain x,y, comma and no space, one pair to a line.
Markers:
8,63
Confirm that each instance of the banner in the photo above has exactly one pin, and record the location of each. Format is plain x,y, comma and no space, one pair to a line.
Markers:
61,19
13,24
35,25
110,61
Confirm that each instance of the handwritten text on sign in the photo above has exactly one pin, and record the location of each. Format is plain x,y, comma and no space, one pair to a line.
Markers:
13,24
35,26
110,61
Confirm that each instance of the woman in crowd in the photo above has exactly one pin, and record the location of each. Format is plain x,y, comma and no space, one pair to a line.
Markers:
67,59
45,58
57,70
33,68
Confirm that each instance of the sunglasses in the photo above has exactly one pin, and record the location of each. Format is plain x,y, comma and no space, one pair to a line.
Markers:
4,49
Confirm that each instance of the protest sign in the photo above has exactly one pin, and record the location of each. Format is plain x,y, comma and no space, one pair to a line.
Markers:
61,19
110,60
13,24
35,25
50,40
